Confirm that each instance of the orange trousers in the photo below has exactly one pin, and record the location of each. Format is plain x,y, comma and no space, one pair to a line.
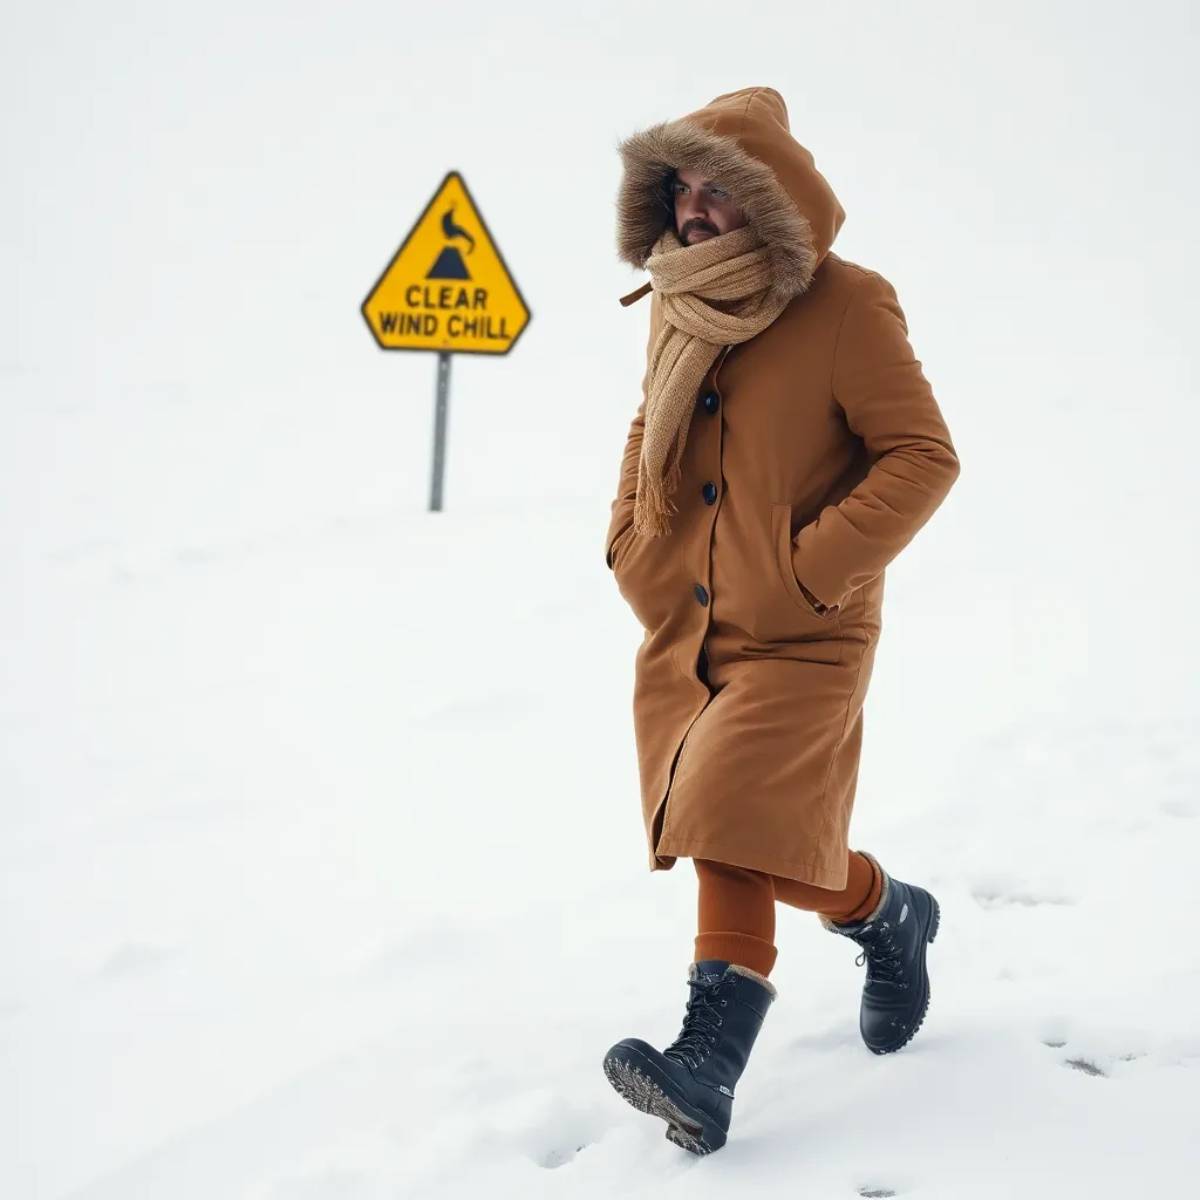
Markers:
736,917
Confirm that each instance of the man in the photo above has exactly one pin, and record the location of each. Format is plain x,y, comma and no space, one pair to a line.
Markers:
787,448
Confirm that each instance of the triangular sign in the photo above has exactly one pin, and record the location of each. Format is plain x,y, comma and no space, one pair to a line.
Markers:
448,287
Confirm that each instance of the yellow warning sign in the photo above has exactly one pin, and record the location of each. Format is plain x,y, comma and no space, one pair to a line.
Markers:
448,287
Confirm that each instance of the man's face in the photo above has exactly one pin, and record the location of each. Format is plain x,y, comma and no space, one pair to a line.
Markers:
703,209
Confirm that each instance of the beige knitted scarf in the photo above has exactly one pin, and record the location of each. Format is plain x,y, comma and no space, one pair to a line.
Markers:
714,293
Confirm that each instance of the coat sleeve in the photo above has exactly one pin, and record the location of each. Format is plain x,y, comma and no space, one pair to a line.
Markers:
887,401
621,509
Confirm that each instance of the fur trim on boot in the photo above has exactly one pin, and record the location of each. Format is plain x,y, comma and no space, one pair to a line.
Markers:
838,926
749,972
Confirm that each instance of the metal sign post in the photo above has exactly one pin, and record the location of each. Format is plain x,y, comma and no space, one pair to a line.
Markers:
441,403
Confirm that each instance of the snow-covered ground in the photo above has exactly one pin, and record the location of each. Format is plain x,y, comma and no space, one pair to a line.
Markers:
322,874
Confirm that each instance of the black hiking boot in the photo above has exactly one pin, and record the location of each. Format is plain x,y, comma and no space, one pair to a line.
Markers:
894,936
690,1083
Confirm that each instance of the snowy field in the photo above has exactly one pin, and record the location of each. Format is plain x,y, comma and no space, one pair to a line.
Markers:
322,874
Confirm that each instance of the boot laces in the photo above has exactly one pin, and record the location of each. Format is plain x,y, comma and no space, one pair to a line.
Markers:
701,1022
883,955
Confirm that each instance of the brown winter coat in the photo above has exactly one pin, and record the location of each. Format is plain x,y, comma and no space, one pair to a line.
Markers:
816,453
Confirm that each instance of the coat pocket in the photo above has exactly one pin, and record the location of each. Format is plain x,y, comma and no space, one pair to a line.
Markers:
615,546
781,531
649,576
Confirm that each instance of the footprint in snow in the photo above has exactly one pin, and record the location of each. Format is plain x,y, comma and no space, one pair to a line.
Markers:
1090,1065
557,1156
991,896
133,958
1085,1065
1177,806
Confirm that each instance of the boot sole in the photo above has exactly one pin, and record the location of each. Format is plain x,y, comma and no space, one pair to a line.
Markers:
935,921
687,1127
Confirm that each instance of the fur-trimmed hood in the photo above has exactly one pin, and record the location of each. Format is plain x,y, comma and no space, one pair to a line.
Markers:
741,139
